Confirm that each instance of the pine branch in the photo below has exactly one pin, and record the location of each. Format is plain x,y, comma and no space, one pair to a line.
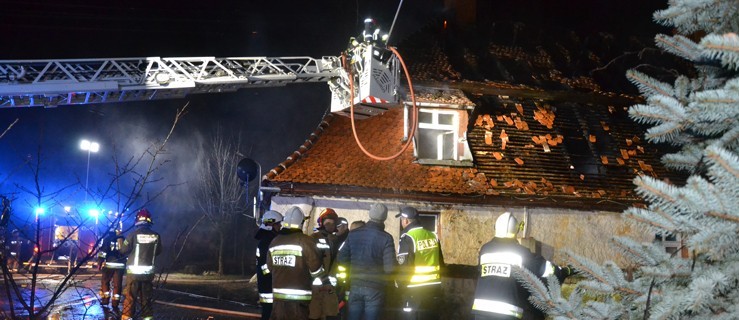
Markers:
580,266
723,216
679,45
648,84
724,47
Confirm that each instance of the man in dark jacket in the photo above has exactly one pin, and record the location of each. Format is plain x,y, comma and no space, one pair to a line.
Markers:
294,261
112,264
369,259
141,246
498,295
271,224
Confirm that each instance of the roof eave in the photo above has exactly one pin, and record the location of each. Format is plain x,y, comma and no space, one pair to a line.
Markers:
550,201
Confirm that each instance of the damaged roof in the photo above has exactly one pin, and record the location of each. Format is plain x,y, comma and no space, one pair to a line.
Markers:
556,139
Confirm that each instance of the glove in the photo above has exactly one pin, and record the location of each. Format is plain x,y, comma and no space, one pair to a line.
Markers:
100,265
327,288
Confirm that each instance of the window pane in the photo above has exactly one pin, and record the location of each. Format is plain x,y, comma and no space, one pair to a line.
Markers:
428,221
425,117
431,142
446,119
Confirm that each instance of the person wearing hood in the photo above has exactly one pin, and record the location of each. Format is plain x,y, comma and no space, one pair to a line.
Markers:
368,256
141,246
325,303
294,262
268,229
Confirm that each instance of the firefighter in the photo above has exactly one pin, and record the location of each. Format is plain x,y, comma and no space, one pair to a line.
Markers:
498,295
342,230
112,264
14,251
325,302
271,224
294,261
419,260
141,246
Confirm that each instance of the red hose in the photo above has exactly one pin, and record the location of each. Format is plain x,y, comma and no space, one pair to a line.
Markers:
414,114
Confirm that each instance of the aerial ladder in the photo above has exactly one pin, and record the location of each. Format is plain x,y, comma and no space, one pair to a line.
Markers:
370,67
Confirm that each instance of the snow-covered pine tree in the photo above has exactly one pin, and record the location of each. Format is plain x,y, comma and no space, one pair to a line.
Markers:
700,116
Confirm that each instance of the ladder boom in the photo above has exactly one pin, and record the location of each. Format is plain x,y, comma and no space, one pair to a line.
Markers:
49,83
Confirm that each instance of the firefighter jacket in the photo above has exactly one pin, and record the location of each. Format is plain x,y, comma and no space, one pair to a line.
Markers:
264,277
419,257
294,261
141,246
110,252
328,250
498,293
368,256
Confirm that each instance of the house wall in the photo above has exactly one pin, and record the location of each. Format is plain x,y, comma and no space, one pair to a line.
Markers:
465,228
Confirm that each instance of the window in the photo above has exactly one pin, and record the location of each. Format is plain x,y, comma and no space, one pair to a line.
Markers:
670,242
438,139
429,221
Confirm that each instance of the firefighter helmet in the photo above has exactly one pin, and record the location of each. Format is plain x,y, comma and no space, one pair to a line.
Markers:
327,213
143,216
294,218
506,226
270,218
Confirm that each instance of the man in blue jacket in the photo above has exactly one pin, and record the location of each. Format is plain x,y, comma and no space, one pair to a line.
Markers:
368,257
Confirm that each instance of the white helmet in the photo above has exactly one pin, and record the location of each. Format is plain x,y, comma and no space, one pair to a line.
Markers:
269,218
506,226
294,218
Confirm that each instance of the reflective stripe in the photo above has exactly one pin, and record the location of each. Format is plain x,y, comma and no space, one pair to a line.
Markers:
498,307
115,265
265,269
287,249
502,257
116,297
323,246
257,252
136,255
291,294
319,282
341,274
548,270
317,272
265,298
425,275
140,269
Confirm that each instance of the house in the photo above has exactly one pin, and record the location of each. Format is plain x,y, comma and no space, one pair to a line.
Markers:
558,152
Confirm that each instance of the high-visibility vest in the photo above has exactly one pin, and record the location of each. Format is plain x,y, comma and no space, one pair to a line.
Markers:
427,256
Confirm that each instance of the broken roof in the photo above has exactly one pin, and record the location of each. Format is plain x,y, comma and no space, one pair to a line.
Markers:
552,139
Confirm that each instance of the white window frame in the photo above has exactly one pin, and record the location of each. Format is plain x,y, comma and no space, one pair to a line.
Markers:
453,129
671,246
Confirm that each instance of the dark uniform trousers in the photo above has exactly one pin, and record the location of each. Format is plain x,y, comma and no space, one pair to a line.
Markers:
141,290
289,310
116,276
422,303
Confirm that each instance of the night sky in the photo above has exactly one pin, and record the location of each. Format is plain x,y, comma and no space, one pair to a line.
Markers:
271,122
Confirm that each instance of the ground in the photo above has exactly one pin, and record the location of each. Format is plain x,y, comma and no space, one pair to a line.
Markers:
180,297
